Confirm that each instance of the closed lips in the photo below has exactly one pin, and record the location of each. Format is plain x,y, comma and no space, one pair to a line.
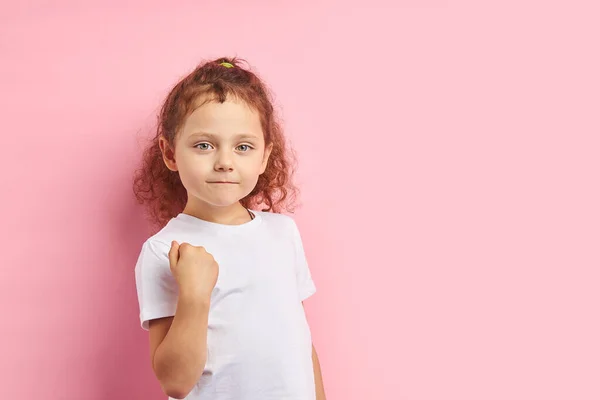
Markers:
222,182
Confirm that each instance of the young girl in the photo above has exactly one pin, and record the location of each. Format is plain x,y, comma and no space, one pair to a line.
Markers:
221,285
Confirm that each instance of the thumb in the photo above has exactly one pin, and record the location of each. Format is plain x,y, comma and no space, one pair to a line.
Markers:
174,253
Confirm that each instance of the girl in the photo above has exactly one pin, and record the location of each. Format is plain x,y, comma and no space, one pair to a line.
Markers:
220,286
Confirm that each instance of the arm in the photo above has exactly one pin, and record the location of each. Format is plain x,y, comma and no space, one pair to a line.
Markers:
178,346
319,388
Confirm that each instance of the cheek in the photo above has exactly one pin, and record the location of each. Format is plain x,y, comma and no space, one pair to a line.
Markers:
193,167
254,166
250,173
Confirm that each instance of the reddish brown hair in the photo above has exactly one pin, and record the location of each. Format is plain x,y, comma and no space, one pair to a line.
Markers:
161,190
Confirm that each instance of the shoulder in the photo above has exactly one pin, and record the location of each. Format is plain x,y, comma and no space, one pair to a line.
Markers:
173,230
281,225
278,221
157,246
153,254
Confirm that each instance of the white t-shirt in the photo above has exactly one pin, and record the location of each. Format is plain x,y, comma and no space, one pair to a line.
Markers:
259,342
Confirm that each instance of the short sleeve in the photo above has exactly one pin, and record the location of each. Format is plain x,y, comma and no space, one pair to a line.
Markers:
157,289
305,283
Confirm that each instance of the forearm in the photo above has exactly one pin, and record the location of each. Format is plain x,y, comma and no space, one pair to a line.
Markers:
319,388
181,357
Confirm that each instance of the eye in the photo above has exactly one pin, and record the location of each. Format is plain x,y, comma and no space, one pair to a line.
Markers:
244,147
203,146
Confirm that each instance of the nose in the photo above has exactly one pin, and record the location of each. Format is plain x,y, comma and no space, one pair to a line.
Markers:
223,163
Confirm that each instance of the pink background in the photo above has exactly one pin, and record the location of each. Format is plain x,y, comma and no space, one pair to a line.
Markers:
449,161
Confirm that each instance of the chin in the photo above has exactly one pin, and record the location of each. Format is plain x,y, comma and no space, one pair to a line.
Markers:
223,199
222,202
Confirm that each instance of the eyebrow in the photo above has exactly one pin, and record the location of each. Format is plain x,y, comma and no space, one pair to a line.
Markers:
213,136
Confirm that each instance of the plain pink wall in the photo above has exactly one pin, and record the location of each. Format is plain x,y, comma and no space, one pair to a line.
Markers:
449,161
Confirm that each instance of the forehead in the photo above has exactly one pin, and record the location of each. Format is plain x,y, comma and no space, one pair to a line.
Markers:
231,117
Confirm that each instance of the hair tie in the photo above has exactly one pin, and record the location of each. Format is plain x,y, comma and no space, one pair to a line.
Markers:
227,65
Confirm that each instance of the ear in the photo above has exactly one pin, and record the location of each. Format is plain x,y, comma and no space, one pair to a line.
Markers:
266,156
168,153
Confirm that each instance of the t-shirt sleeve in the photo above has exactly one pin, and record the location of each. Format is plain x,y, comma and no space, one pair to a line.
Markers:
156,286
305,283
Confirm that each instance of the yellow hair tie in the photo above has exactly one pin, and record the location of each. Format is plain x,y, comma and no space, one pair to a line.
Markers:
227,65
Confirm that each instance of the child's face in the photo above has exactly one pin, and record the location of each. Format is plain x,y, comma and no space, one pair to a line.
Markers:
220,152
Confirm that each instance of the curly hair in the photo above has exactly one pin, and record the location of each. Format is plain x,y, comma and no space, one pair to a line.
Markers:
161,190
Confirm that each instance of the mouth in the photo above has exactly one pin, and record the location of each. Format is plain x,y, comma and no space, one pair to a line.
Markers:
223,182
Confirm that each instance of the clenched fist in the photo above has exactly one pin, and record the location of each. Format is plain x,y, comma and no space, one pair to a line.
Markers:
195,269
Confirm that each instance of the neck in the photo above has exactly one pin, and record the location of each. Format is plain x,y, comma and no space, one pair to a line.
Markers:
234,214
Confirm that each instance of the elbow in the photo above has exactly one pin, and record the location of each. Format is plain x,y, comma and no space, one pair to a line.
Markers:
176,383
177,388
176,392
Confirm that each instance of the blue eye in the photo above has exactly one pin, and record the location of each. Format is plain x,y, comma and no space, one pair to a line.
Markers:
203,146
244,147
